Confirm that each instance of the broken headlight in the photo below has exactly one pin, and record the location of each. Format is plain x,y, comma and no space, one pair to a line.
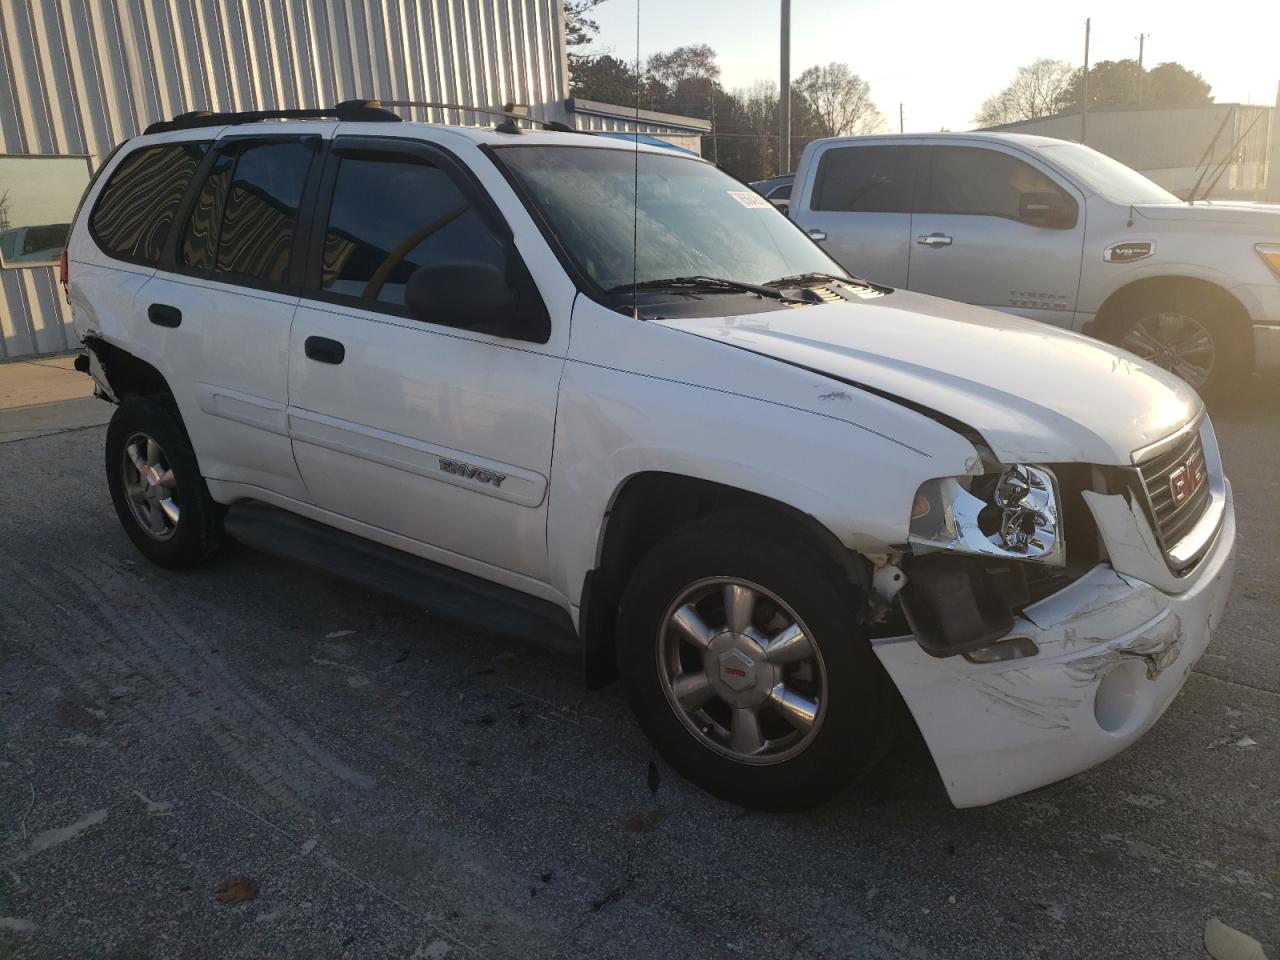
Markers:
1013,514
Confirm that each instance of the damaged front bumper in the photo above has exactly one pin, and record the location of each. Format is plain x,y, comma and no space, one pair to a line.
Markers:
1115,647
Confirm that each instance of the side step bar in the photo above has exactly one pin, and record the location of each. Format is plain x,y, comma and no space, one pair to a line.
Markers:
444,592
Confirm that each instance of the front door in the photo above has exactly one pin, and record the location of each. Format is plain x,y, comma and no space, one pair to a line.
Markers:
972,241
418,426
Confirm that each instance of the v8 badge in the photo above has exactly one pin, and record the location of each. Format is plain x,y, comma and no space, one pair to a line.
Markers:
1129,251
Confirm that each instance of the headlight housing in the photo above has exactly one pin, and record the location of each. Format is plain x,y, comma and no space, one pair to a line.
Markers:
1013,514
1270,253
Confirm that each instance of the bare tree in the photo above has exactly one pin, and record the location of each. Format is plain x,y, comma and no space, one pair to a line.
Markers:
4,210
696,62
840,100
1037,90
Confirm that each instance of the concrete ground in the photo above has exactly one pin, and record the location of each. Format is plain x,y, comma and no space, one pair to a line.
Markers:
256,761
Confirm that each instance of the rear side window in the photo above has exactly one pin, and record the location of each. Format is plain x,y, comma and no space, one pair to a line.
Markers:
136,207
866,179
391,215
978,182
245,215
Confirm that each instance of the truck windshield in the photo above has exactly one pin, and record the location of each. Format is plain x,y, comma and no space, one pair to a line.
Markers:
1108,178
694,221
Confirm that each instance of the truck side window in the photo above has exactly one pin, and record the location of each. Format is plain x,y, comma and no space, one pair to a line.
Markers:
261,215
391,215
865,179
137,205
978,182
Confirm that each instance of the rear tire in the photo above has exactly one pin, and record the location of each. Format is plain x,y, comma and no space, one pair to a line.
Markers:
1194,334
697,656
156,486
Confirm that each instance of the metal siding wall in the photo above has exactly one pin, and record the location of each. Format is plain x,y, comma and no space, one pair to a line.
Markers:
79,76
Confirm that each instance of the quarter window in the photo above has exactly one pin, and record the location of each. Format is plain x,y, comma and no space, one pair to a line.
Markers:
135,210
865,179
391,215
978,182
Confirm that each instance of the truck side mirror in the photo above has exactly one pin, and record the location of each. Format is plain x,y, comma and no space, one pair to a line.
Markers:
471,295
1047,210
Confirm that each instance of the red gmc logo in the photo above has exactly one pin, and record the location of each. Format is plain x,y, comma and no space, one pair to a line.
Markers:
1187,479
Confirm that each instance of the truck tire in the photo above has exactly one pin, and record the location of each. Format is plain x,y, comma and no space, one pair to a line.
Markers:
744,662
156,486
1194,334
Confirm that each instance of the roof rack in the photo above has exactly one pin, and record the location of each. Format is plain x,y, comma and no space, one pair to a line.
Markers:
511,113
367,111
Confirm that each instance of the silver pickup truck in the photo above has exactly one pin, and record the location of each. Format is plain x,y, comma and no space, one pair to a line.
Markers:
1054,231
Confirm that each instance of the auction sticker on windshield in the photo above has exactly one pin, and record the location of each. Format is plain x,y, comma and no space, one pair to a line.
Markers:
749,198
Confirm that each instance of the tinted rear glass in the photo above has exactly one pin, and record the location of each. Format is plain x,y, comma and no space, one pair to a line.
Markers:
866,179
135,210
261,215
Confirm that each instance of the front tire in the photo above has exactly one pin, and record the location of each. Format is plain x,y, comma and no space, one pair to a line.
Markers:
1192,333
156,486
745,664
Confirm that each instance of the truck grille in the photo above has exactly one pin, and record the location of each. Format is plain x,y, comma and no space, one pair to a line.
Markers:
1176,483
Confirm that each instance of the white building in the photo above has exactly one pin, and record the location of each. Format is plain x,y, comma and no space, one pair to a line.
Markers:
77,78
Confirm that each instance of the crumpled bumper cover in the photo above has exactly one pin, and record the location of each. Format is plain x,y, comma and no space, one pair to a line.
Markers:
1114,652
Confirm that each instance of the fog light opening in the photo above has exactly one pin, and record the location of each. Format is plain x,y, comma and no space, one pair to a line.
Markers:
1012,648
1115,700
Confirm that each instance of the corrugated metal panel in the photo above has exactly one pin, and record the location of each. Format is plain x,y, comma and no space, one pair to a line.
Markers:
79,76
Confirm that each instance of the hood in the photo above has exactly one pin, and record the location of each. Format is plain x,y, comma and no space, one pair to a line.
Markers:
1035,393
1261,215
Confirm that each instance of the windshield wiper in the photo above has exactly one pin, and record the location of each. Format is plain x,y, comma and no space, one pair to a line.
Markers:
800,279
704,284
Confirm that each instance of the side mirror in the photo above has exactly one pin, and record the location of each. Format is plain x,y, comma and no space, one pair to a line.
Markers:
475,296
1047,210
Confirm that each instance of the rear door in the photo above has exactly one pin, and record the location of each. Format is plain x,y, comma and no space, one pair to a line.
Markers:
972,243
224,298
419,427
859,207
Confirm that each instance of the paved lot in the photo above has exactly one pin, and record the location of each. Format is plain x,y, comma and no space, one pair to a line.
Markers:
393,787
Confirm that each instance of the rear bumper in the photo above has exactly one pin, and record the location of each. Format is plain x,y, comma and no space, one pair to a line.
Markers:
1114,652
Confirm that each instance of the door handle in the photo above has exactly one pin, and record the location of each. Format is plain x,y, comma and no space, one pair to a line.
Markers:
818,235
934,240
324,350
163,315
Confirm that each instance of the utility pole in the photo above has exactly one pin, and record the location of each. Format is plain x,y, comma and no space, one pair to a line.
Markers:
901,124
784,93
1142,37
1084,99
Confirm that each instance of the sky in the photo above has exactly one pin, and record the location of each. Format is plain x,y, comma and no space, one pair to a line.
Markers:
42,191
942,59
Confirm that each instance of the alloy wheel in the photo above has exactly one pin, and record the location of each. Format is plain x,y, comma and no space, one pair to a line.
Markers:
150,487
1175,341
741,671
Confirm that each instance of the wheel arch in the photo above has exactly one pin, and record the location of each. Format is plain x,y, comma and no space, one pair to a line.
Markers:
649,506
126,374
1167,285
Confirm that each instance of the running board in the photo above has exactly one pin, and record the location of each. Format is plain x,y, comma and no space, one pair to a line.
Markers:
442,591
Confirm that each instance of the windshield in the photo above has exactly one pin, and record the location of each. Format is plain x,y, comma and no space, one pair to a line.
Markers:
694,221
1109,178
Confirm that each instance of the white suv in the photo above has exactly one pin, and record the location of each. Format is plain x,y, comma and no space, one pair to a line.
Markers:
1057,232
764,492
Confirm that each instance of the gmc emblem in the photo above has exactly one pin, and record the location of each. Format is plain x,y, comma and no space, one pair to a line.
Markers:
1187,479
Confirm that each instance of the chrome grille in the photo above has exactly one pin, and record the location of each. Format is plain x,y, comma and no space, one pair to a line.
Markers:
1176,483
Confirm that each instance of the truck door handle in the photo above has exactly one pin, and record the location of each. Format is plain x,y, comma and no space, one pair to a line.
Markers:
934,240
818,235
324,350
163,315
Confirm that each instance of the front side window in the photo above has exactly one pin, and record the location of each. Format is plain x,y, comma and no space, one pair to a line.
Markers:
978,182
38,198
866,179
390,215
693,220
136,207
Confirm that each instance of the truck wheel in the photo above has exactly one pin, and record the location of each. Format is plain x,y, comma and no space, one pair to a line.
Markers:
155,484
744,662
1192,334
